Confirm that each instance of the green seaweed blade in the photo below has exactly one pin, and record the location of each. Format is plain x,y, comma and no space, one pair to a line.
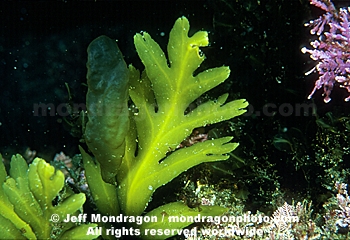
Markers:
161,95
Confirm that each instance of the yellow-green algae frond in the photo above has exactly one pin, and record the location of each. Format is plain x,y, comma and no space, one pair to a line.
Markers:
26,200
171,88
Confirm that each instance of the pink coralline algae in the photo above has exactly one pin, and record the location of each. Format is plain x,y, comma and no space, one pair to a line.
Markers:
331,50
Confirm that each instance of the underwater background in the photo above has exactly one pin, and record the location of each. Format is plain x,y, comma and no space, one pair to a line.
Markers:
291,148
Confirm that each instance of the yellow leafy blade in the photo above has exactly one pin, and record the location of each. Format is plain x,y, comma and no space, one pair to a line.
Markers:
153,57
9,221
170,83
9,231
26,200
185,158
205,81
7,214
45,182
184,53
162,95
19,166
104,194
70,205
215,111
25,205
